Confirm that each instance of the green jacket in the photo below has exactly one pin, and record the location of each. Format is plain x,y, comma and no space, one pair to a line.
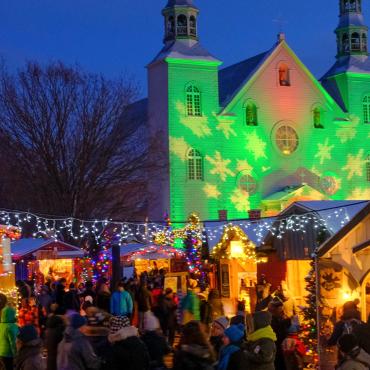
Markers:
8,332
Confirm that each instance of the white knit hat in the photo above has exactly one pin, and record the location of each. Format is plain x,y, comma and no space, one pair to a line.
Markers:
151,323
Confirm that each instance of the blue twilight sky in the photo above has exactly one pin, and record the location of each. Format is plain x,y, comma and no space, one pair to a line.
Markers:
118,36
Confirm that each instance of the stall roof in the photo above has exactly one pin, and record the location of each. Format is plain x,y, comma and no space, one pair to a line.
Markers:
24,247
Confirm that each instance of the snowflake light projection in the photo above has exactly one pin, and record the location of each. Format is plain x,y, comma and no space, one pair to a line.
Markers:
179,147
211,191
355,164
324,151
240,199
226,129
256,145
220,166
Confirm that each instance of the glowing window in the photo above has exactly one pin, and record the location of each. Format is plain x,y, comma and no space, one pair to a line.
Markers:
251,115
317,118
286,139
368,168
248,183
193,101
195,165
366,108
284,75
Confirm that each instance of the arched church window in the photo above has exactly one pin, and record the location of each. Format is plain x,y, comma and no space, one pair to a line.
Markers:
182,25
345,43
193,25
355,41
364,42
193,107
251,115
368,167
170,26
195,165
284,75
317,118
366,108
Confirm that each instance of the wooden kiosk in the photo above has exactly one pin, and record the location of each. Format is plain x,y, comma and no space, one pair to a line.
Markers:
237,269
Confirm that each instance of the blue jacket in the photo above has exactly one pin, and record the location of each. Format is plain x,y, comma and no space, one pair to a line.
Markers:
121,303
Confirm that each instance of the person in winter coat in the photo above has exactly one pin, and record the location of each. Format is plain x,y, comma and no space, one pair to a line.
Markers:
8,335
75,351
166,313
293,349
97,333
261,349
127,348
353,356
144,303
218,328
348,323
55,326
121,302
71,299
29,314
280,324
195,353
154,341
190,304
232,356
29,350
103,295
205,311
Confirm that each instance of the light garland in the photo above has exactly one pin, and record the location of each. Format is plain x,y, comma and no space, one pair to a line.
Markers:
161,233
235,233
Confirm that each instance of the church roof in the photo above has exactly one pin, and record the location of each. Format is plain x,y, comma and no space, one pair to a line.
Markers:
179,3
184,49
331,86
232,78
356,64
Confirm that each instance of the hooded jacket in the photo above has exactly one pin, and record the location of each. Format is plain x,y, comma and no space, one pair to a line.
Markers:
75,352
29,356
8,332
359,362
128,350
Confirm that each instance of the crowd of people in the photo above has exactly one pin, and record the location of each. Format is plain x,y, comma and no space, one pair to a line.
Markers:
134,327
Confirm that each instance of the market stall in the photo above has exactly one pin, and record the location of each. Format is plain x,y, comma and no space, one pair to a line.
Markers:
45,259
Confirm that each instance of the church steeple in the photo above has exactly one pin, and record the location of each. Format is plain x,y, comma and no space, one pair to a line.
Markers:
351,31
180,18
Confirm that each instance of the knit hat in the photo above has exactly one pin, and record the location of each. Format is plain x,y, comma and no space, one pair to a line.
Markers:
118,322
76,321
235,332
222,321
27,333
261,319
151,323
347,343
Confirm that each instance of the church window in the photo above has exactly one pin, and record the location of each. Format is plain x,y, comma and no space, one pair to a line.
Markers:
286,139
251,115
368,168
193,107
345,43
366,108
182,25
248,184
195,165
171,26
284,75
355,41
364,42
317,118
193,25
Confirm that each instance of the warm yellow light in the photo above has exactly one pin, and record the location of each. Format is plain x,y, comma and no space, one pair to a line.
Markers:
346,296
236,249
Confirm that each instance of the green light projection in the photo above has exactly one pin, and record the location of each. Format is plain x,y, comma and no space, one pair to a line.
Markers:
330,160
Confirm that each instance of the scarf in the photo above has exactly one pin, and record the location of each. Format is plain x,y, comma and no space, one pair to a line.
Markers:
265,332
225,354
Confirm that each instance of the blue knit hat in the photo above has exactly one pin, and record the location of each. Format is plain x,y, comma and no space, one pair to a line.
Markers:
27,333
235,332
77,321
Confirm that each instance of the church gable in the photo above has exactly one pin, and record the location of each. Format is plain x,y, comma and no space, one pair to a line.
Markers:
278,78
